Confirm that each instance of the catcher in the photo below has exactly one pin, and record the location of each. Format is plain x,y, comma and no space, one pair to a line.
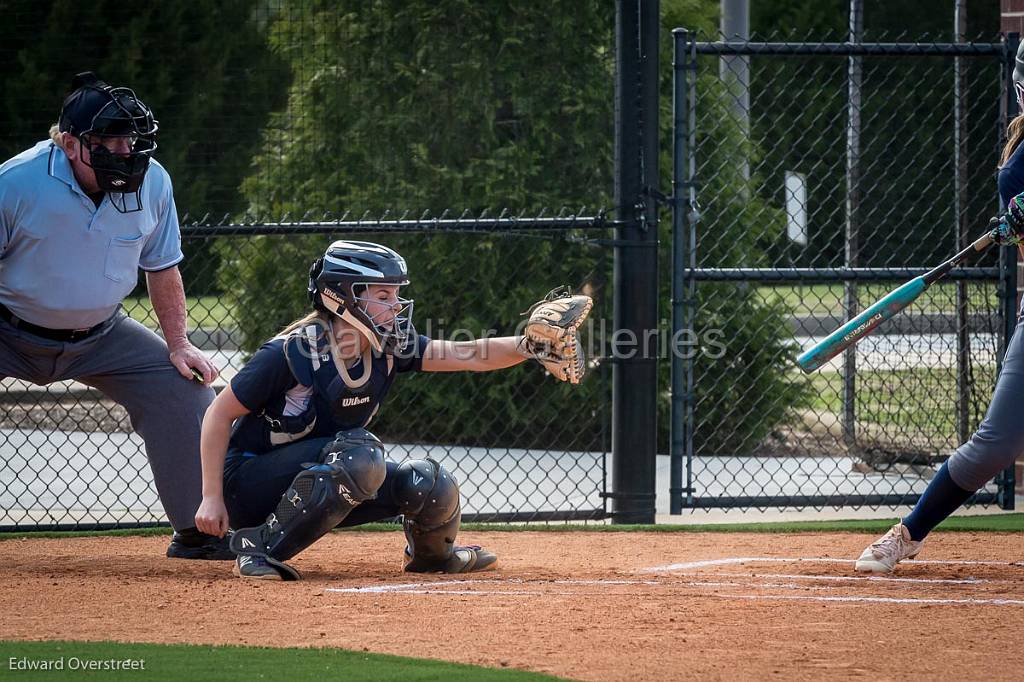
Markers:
285,451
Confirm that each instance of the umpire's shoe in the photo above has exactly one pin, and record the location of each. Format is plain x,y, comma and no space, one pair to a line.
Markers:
465,559
189,543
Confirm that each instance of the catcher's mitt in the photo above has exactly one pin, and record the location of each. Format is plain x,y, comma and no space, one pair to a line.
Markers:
550,335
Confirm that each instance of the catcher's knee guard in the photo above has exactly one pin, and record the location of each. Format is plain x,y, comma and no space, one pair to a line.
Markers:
428,496
350,470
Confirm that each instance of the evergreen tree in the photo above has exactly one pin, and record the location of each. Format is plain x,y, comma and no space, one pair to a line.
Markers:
461,105
204,67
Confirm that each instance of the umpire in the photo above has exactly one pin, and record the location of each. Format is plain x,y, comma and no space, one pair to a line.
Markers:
80,213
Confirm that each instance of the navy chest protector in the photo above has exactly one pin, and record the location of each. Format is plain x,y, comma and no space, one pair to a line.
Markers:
312,356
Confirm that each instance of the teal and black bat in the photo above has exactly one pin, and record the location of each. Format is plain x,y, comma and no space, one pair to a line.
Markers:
893,302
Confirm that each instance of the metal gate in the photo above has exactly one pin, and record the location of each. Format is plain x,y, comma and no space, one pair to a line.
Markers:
810,179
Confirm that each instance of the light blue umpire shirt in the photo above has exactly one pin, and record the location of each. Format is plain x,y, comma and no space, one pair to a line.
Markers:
66,263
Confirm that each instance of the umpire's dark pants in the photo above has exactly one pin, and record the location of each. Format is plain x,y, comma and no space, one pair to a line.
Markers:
254,484
129,364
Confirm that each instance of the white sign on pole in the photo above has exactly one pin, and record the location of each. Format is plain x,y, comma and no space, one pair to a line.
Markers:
796,207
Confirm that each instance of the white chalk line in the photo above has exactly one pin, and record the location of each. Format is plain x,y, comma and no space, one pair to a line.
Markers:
411,587
871,578
528,588
442,587
877,600
689,565
439,589
406,587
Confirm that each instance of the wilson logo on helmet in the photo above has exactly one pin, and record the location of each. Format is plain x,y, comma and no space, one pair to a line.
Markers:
333,296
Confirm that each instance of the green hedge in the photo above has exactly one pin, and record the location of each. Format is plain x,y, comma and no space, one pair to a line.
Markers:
468,105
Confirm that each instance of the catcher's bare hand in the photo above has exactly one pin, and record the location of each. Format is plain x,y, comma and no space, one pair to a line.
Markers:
212,517
551,335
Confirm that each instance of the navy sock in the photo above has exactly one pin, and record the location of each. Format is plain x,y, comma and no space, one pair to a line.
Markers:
940,499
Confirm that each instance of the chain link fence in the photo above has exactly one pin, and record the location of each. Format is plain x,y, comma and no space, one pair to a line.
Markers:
810,179
860,166
271,132
71,459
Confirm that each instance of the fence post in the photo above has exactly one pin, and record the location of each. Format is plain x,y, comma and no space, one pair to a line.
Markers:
1007,256
852,225
635,369
960,225
684,294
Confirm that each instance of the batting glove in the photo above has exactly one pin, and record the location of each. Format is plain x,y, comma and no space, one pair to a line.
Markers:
1008,229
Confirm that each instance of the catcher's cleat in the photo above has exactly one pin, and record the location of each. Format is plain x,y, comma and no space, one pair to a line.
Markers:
189,543
257,567
887,551
464,559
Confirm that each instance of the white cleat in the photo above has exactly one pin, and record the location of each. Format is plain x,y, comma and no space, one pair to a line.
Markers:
887,551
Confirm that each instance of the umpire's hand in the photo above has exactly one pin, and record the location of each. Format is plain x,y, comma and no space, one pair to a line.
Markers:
187,357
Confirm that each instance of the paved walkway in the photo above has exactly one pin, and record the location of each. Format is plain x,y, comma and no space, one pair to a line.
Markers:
73,476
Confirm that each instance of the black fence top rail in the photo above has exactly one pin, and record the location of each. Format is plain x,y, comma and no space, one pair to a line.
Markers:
202,228
831,274
725,47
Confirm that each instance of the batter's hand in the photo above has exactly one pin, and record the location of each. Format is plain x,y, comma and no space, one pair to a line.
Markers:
212,517
1008,229
187,357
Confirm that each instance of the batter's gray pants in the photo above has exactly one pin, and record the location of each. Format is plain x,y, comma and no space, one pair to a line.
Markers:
129,364
1000,437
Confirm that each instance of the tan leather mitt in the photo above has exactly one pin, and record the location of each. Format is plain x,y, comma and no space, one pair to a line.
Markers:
551,335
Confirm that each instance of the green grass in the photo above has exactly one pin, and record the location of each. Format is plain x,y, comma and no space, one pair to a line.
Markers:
987,523
828,298
203,311
917,402
201,663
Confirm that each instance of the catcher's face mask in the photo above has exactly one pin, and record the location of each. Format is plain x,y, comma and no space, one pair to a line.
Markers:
388,314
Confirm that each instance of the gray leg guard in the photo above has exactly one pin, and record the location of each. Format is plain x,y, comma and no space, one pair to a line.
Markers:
428,496
350,470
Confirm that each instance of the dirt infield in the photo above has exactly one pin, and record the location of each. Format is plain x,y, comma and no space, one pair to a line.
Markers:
590,606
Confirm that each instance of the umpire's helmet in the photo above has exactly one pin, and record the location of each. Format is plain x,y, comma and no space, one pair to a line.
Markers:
338,279
96,110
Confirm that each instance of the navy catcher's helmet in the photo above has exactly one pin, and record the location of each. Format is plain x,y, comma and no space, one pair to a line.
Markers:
97,110
338,279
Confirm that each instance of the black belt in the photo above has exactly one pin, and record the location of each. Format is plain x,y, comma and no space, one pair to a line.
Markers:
46,333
